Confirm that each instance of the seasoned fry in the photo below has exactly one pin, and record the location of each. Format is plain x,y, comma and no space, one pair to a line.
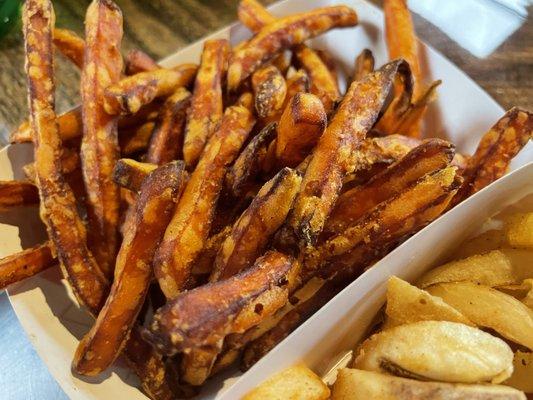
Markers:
136,140
247,166
283,34
204,262
189,228
331,159
330,63
206,104
270,90
130,174
128,95
99,148
302,123
430,156
70,45
166,139
254,228
138,61
253,15
25,263
297,82
17,194
246,100
157,197
364,64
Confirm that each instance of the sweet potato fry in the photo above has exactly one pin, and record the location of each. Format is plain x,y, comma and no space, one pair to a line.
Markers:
270,90
204,262
283,34
247,166
364,64
58,205
190,225
138,61
128,95
135,140
253,15
300,126
17,193
206,104
495,151
330,62
25,263
153,209
246,100
70,45
333,157
166,139
297,82
99,148
254,228
430,156
130,174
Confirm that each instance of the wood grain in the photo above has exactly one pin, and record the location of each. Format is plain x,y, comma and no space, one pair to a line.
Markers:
160,27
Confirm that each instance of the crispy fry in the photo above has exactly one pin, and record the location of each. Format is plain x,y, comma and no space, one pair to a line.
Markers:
17,194
135,140
300,126
99,148
204,262
270,90
206,104
430,156
70,162
166,139
188,230
298,81
283,34
128,95
495,151
130,174
330,62
70,45
25,263
138,61
332,157
252,231
157,197
253,15
246,100
245,169
364,64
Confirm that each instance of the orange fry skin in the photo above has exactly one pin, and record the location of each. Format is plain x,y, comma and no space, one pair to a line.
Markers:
156,200
364,64
17,193
254,228
166,140
270,90
301,124
297,82
206,104
431,155
130,174
283,34
253,15
70,45
190,225
138,61
99,148
25,263
128,95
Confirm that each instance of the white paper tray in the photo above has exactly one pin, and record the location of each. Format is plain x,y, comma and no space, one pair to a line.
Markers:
462,113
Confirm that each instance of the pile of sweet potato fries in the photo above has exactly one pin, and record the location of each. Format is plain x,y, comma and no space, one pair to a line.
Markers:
201,213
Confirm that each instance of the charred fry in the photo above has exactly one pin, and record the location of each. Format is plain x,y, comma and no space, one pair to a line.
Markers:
206,104
16,194
130,174
270,90
138,61
364,65
70,45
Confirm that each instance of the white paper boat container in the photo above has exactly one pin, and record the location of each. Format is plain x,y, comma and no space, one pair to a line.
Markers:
462,113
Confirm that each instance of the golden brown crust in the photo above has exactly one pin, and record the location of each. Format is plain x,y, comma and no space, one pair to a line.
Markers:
167,136
283,34
138,61
153,209
135,140
17,193
130,174
25,263
270,90
99,148
364,64
189,228
206,104
128,95
70,45
253,15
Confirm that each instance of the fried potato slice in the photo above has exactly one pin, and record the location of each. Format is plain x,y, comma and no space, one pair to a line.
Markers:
130,174
25,263
270,89
138,61
302,123
295,383
129,94
485,242
356,384
166,139
489,308
364,64
58,205
450,352
254,228
406,304
430,156
283,34
153,209
522,372
70,45
190,225
206,104
495,268
99,148
202,317
519,230
17,193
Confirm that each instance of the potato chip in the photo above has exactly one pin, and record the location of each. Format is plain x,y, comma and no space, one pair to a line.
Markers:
483,243
522,377
519,230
